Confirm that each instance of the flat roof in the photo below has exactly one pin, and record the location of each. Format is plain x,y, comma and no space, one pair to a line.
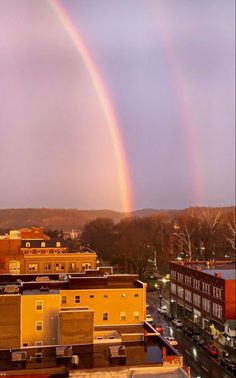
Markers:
227,269
226,274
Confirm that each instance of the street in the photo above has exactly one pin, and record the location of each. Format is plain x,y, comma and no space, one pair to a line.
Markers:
201,364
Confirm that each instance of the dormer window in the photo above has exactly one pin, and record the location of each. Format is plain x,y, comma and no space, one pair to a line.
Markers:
58,244
27,245
43,244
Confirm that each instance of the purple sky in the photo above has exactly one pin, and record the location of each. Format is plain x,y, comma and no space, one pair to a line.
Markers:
169,70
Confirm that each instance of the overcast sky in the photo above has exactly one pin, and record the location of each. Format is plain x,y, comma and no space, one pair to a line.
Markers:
168,67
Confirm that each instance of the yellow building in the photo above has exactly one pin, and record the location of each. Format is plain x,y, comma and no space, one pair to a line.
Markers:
54,311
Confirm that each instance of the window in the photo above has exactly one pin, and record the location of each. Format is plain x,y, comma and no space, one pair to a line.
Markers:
180,292
33,267
196,284
123,315
86,266
91,297
123,295
136,315
136,295
39,305
59,267
72,266
180,277
58,244
217,310
206,304
173,288
173,274
43,244
27,245
25,344
187,280
38,343
196,300
217,292
47,267
77,298
188,295
63,299
105,316
206,288
39,325
105,296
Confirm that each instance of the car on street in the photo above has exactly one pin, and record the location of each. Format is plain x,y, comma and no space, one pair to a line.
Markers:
162,310
201,342
169,316
171,340
211,349
228,365
159,329
178,323
190,332
149,318
196,339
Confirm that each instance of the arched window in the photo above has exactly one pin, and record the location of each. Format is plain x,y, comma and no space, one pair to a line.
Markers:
58,244
43,244
27,245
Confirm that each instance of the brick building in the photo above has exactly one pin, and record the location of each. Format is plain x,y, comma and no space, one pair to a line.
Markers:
204,292
30,251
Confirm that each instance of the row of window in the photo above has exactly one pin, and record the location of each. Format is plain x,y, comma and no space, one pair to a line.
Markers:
39,303
43,244
196,284
58,266
91,296
43,251
196,300
105,317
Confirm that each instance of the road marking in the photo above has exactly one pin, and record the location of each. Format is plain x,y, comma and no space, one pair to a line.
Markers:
204,368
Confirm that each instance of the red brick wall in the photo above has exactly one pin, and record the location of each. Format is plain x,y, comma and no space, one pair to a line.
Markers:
230,299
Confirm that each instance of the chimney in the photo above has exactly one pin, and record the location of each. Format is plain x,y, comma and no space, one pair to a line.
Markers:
218,275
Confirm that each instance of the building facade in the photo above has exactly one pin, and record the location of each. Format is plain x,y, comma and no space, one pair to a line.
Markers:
204,292
30,251
54,310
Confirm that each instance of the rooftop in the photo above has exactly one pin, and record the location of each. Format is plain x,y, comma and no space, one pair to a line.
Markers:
226,274
225,269
52,283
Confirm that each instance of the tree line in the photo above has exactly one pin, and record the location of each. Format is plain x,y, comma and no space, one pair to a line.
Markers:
138,245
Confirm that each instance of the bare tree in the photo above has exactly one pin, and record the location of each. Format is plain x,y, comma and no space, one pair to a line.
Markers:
184,241
232,234
210,224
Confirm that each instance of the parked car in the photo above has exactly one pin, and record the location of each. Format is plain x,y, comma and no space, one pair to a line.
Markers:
149,318
188,331
228,364
211,349
196,339
159,329
169,316
162,310
177,322
201,342
171,340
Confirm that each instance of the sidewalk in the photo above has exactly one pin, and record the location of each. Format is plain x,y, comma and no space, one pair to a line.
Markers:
206,336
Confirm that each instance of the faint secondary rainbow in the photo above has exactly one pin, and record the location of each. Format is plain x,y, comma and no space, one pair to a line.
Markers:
186,111
106,104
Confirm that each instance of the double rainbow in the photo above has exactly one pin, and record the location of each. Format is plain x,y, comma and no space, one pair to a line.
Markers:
105,102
